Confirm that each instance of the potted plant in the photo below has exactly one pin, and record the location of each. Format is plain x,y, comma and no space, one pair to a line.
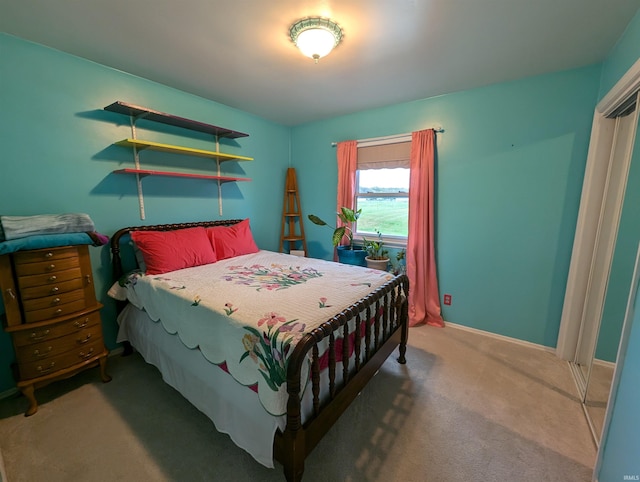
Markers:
348,254
400,267
377,257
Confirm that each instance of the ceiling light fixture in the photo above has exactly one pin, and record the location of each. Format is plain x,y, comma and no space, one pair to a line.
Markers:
315,36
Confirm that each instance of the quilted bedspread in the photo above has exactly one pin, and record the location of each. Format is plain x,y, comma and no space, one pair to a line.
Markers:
248,312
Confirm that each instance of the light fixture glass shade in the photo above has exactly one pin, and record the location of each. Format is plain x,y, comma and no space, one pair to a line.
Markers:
315,42
315,36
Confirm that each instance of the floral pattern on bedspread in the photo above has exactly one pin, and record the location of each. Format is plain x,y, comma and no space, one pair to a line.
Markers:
269,349
249,312
274,277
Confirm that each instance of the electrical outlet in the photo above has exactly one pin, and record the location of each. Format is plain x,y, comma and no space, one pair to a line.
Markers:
447,299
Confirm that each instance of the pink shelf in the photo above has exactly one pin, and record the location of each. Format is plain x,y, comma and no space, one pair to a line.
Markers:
147,172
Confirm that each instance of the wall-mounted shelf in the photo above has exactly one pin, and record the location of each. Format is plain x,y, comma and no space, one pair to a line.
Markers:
136,113
150,172
172,120
157,146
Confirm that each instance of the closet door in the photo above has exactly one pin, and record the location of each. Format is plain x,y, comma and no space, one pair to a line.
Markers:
607,232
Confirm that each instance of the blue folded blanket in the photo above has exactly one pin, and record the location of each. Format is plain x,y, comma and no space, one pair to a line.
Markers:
51,241
16,227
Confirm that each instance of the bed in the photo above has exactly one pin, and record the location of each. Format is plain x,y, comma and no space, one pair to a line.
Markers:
271,347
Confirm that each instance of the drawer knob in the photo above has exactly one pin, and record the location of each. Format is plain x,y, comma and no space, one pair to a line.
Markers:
81,324
43,354
11,294
55,289
51,267
88,278
85,340
47,369
53,278
48,255
39,335
86,355
56,301
58,311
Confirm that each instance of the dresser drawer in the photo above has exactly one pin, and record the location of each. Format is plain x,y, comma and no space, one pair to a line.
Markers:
53,254
56,346
54,312
53,289
51,301
46,333
47,267
49,278
59,362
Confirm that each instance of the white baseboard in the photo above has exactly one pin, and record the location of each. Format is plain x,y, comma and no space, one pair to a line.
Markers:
604,363
549,349
501,337
8,393
116,351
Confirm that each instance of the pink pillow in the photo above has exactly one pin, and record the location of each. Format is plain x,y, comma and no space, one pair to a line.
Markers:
171,250
230,241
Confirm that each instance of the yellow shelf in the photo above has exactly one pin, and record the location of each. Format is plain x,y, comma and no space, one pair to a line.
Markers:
156,146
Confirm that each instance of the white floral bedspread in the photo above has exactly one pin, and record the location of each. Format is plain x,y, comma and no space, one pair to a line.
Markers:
248,312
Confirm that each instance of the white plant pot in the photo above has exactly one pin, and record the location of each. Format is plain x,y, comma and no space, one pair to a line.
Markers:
380,264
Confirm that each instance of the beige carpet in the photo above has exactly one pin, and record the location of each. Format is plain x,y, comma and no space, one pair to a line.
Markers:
465,407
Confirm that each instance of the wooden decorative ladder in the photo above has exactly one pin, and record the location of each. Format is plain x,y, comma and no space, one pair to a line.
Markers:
292,216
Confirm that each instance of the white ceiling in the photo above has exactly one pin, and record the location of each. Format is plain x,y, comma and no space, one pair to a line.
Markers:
239,53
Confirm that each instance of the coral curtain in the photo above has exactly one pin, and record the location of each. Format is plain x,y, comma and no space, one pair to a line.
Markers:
424,297
347,164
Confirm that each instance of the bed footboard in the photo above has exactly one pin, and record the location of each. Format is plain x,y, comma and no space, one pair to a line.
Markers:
379,324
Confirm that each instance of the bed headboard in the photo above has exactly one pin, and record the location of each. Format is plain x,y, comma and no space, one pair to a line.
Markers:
117,243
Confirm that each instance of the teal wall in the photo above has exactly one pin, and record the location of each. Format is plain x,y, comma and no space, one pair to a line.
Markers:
57,156
618,455
510,165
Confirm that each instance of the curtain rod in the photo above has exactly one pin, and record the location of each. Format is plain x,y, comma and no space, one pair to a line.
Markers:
373,141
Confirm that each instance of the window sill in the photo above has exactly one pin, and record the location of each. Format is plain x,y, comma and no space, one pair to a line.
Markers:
392,243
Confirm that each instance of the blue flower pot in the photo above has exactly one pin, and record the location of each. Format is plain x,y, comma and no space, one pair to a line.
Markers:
355,256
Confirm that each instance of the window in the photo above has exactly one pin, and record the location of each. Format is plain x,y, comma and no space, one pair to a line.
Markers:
382,191
383,195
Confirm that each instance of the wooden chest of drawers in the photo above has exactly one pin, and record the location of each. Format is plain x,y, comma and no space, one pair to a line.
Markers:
52,314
